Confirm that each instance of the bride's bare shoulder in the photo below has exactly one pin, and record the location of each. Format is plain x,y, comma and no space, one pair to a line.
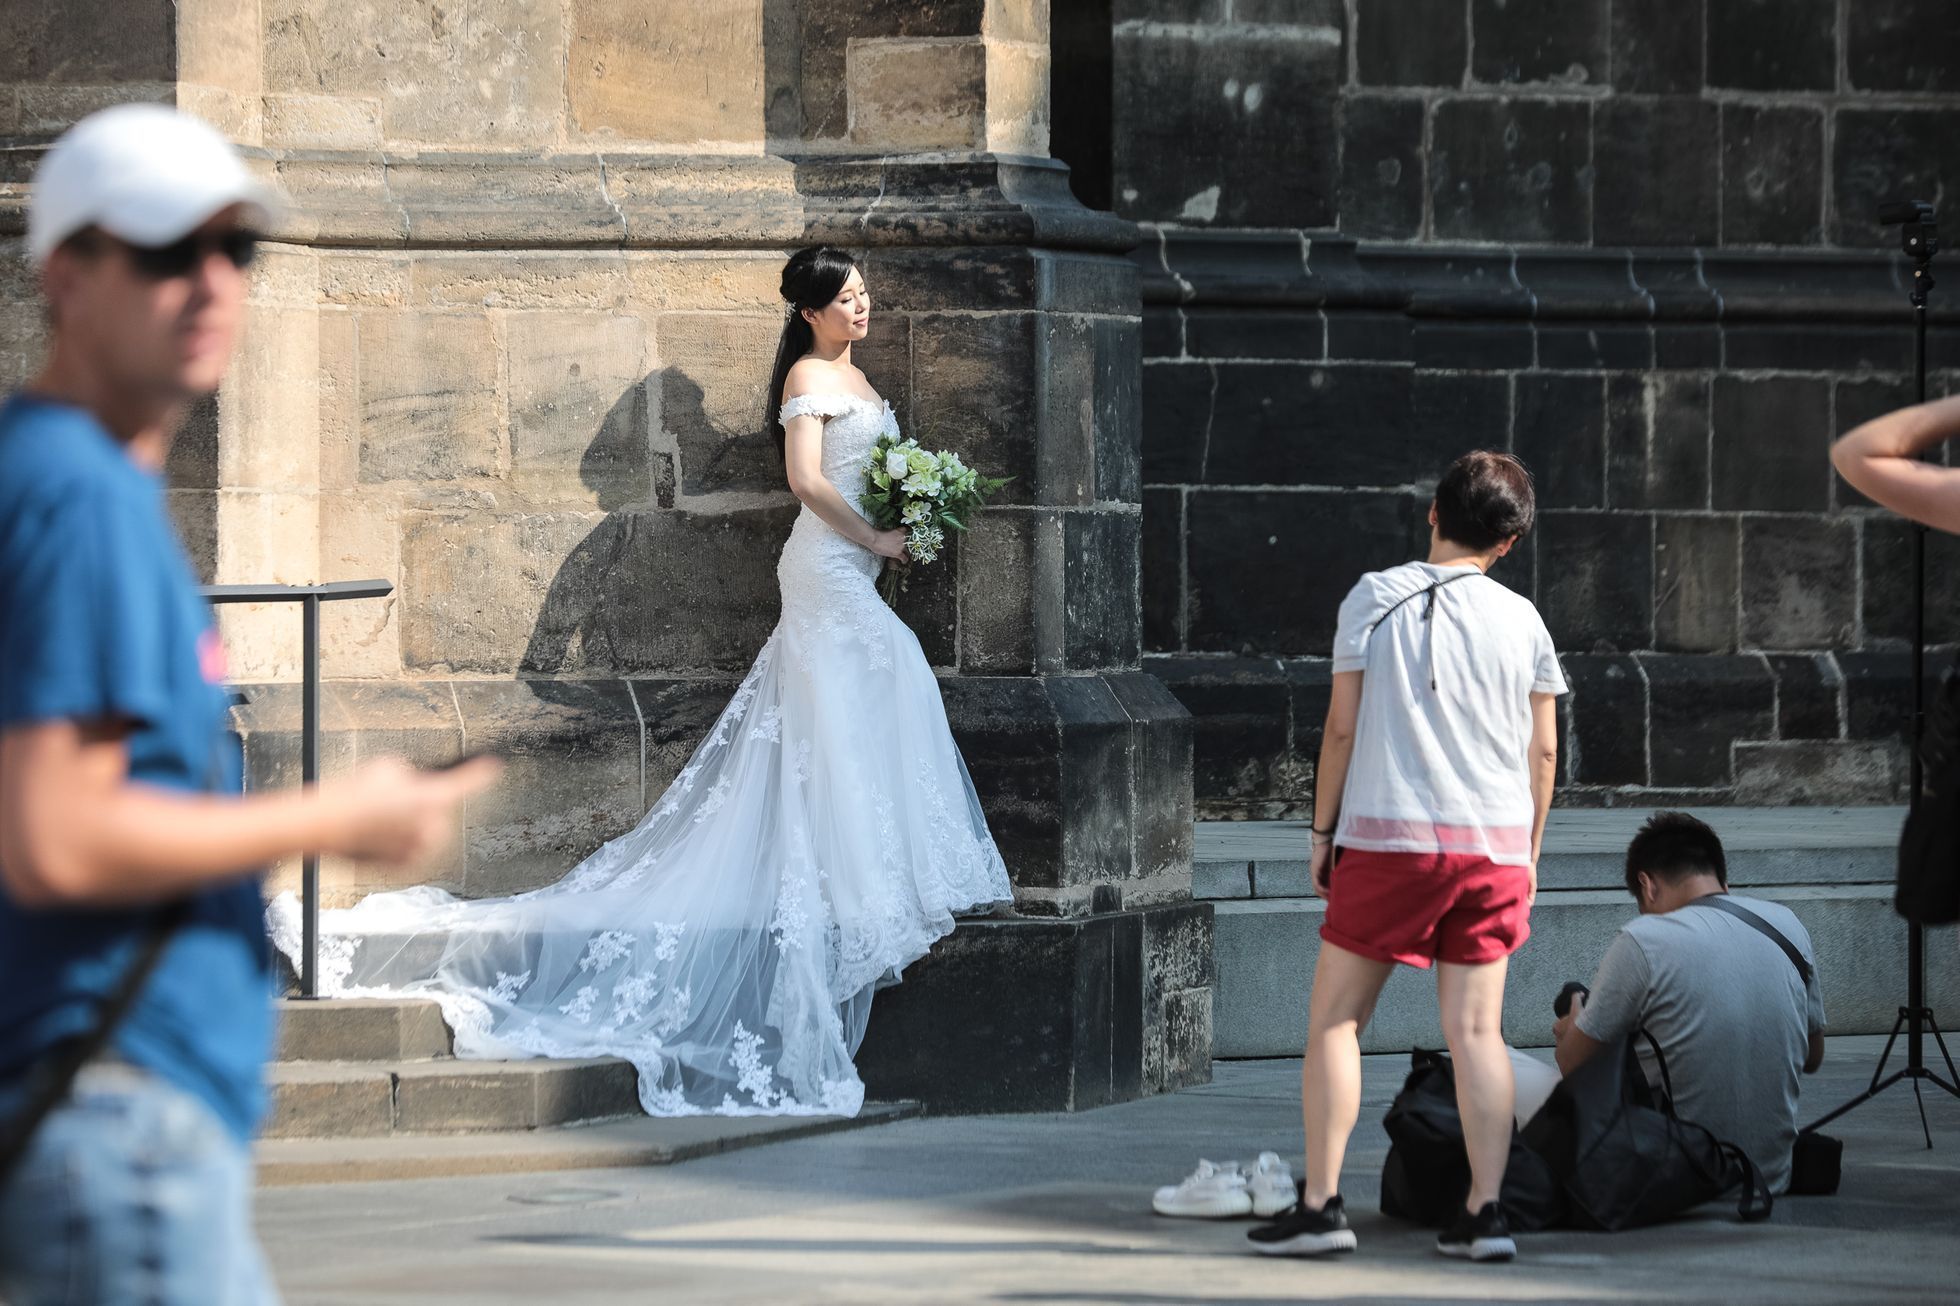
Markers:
814,376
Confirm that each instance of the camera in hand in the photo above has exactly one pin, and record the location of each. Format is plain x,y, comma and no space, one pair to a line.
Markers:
1563,1002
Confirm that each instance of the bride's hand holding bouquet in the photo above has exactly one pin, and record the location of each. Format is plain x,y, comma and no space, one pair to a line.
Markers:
914,492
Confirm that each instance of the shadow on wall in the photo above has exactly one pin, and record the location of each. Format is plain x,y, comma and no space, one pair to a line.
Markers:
652,591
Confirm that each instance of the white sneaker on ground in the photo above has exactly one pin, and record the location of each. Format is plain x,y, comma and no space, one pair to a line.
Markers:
1271,1186
1211,1192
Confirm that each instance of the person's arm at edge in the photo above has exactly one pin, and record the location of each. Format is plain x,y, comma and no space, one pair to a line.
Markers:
1573,1046
1880,460
75,831
1330,774
1544,774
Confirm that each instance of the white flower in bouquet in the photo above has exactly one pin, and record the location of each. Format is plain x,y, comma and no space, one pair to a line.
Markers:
895,465
915,513
925,542
926,484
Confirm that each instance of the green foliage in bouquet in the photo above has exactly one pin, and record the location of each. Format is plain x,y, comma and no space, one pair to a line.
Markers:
926,494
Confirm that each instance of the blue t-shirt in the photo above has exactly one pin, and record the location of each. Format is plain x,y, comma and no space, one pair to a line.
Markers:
100,618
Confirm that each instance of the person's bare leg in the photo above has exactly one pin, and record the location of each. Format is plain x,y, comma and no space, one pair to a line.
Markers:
1472,1002
1345,987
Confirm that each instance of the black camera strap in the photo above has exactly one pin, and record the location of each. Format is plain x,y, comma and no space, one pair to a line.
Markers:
52,1077
1722,902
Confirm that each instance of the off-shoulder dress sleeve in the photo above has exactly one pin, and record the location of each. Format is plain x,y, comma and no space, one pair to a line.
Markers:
815,405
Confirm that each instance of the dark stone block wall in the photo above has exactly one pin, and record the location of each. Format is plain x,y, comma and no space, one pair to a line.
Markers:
1634,241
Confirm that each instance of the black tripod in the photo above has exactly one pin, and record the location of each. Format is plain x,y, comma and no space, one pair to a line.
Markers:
1921,239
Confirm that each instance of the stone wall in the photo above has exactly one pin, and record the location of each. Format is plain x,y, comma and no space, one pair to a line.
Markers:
509,350
1633,241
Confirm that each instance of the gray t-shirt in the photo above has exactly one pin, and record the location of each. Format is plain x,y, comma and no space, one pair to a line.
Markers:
1731,1015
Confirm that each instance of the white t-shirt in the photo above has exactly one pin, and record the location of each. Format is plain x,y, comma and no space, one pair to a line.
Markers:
1442,747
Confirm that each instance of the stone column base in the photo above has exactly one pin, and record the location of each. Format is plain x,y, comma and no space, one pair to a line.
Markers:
1049,1015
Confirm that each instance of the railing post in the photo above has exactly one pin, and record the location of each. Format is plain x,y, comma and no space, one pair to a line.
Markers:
309,770
309,597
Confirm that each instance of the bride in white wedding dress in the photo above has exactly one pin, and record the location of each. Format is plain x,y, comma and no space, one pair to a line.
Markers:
820,839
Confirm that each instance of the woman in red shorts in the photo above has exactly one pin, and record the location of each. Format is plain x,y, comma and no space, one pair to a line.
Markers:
1436,772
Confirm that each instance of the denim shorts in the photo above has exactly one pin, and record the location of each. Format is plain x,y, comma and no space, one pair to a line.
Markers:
132,1191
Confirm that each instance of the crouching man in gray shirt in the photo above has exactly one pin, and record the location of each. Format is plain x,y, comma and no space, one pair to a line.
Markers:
1733,1016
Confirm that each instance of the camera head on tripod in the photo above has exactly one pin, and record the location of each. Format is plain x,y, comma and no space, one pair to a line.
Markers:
1921,234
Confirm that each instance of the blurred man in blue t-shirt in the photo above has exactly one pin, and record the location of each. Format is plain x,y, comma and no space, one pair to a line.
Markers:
118,781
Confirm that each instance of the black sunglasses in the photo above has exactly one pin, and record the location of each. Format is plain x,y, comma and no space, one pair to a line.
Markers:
181,258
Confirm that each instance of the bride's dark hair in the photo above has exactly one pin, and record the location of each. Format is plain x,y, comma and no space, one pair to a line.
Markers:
811,279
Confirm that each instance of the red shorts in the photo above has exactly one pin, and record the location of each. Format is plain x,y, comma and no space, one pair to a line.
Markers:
1415,908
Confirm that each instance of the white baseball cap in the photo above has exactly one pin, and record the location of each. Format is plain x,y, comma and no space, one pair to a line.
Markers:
143,173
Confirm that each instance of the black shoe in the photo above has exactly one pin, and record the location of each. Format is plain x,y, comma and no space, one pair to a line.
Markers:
1302,1232
1481,1237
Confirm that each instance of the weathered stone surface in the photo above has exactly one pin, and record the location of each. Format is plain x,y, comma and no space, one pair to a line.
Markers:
1809,696
678,715
1701,707
1883,154
1560,433
1657,441
1163,569
1455,412
1411,42
1596,590
1606,742
427,397
218,73
820,39
426,67
1268,570
71,44
1239,710
558,593
1799,583
970,391
714,382
997,595
1381,165
675,72
1697,563
1771,438
1284,425
1772,175
360,539
1162,738
1657,46
1017,95
1651,191
1886,574
572,778
1263,101
1772,45
579,423
1560,41
1177,399
1818,774
361,1029
1902,45
323,122
918,94
1100,604
541,279
1511,170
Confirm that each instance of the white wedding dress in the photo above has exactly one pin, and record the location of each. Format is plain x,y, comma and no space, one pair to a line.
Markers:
819,840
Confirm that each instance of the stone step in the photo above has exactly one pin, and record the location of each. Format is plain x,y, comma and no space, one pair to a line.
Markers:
604,1144
367,1099
1266,949
1586,849
361,1029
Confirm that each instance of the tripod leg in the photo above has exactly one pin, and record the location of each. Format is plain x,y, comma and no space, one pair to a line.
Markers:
1886,1055
1940,1039
1926,1128
1856,1102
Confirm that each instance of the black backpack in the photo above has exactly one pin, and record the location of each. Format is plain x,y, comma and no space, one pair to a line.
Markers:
1604,1152
1427,1174
1929,850
1623,1159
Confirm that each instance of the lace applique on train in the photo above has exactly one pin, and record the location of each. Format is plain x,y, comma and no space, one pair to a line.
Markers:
820,839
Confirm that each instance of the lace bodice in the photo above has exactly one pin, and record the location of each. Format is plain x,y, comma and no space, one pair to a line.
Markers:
853,426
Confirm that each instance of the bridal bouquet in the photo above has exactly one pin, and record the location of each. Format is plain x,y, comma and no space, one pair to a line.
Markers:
926,493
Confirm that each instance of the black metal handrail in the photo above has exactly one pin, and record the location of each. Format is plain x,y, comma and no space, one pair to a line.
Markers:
309,597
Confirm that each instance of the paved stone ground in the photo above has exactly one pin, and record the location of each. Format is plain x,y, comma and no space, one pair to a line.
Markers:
1055,1209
